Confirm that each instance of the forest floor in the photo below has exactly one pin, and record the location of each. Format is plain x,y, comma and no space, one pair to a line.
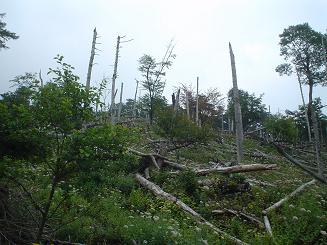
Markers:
228,200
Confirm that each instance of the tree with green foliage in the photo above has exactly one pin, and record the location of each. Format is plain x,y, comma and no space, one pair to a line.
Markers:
51,153
5,35
282,128
302,48
299,118
152,73
253,110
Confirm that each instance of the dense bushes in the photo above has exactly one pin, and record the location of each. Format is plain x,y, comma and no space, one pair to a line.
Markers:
179,128
282,128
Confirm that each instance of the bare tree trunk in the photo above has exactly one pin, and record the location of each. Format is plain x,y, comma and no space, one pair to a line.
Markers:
197,102
238,112
120,101
89,71
229,126
187,105
320,165
176,106
46,210
134,106
314,119
41,80
305,108
114,76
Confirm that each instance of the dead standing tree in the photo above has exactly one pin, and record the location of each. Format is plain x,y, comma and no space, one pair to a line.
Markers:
114,76
89,71
238,112
197,102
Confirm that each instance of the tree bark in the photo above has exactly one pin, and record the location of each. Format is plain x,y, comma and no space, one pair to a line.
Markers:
305,108
237,107
187,105
89,71
134,106
197,102
114,76
120,101
238,169
46,210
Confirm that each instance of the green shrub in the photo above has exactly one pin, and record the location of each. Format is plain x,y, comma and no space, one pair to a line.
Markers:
179,128
282,128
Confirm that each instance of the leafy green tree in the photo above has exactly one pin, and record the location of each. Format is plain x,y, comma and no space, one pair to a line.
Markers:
302,48
299,118
253,111
152,73
5,35
46,123
282,128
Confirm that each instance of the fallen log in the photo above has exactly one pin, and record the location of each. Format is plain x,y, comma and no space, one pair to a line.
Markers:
280,203
267,225
297,163
175,165
157,191
248,217
238,169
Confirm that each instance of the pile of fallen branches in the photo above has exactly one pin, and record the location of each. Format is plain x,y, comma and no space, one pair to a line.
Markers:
158,162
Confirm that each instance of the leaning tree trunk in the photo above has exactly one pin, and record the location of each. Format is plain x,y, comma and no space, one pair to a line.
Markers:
314,120
237,107
89,71
305,108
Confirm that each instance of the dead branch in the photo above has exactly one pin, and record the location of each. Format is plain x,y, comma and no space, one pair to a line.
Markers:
282,201
175,165
238,169
248,217
157,191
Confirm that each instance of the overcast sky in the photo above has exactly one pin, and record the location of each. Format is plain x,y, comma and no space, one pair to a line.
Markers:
201,30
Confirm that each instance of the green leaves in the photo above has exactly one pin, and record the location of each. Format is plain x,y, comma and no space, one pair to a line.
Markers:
301,46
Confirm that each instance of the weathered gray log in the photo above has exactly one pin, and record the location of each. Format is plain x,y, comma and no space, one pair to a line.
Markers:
282,201
238,169
157,191
267,225
297,163
237,108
